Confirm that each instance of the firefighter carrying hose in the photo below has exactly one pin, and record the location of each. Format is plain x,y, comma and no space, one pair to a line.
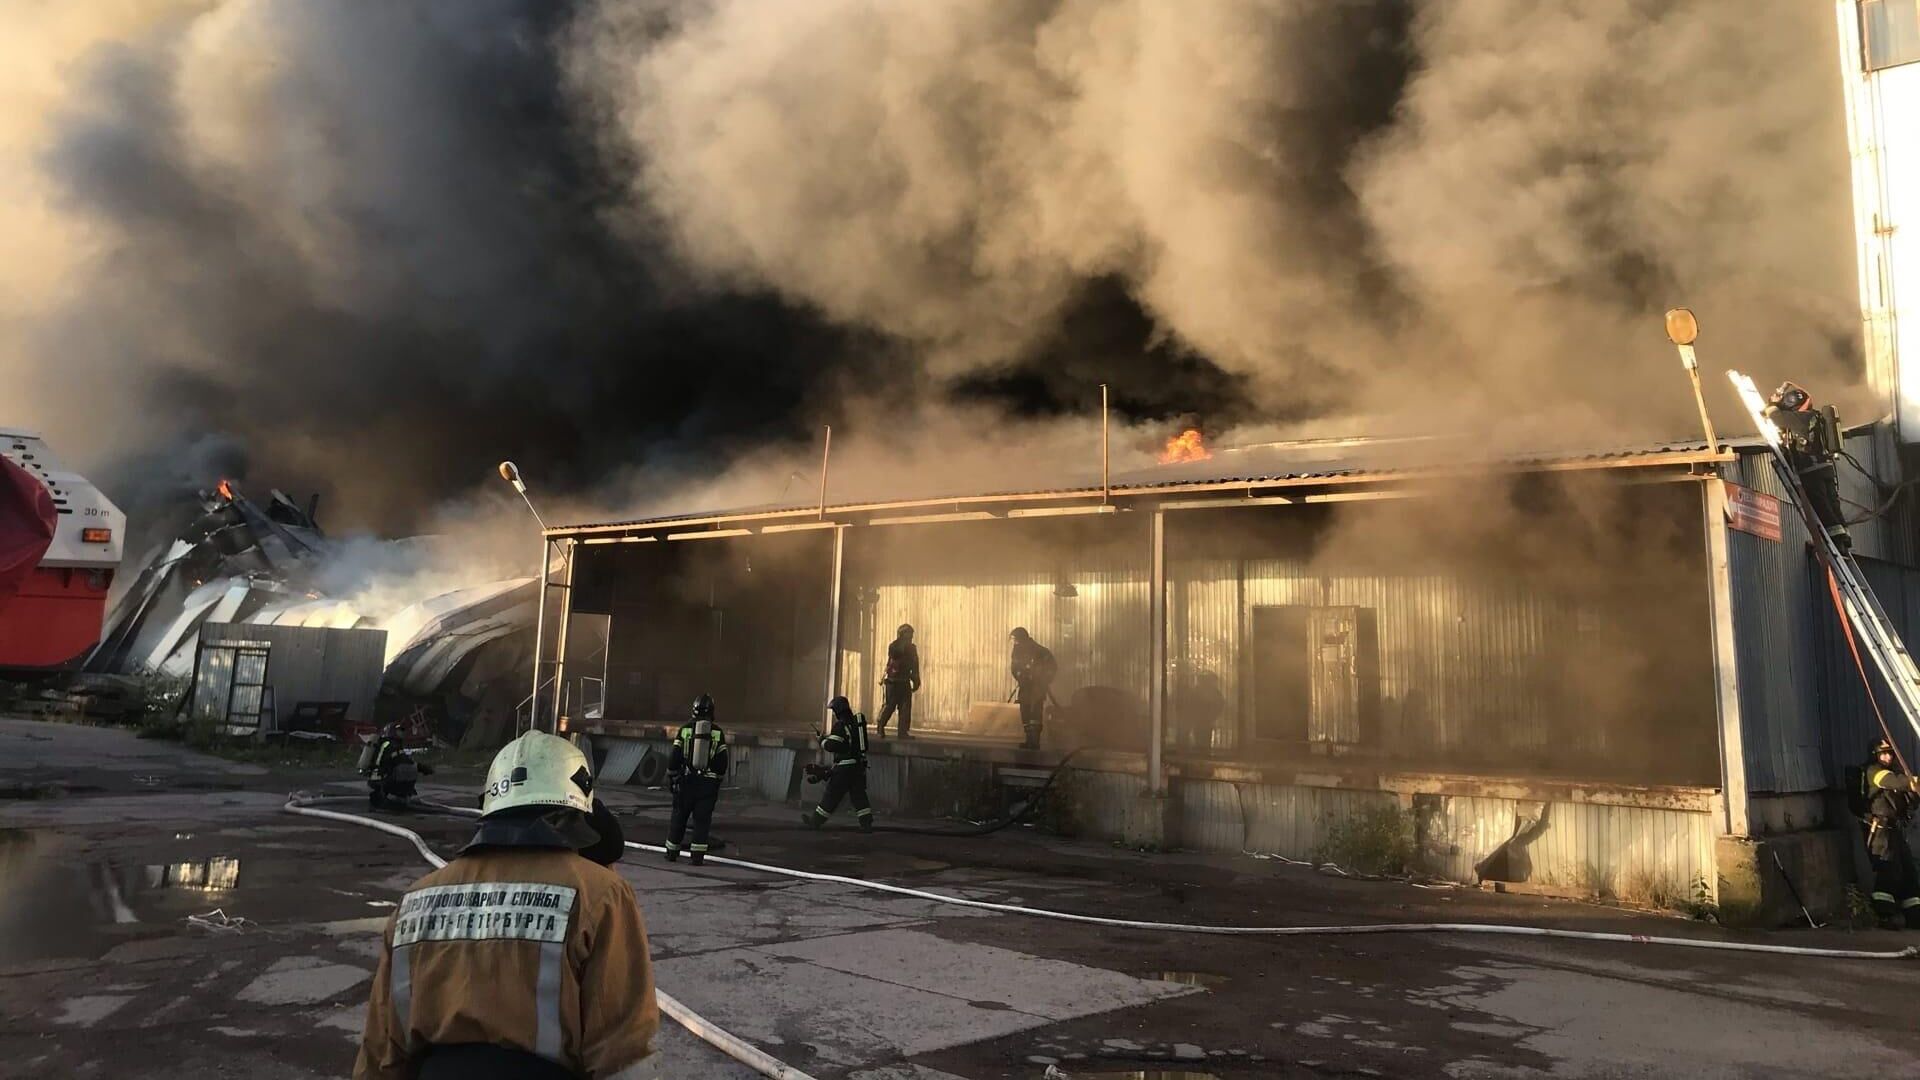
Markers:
526,956
902,681
698,762
1885,798
1033,667
846,742
1812,440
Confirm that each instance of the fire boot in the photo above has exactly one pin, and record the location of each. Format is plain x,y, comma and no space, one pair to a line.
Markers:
673,853
696,858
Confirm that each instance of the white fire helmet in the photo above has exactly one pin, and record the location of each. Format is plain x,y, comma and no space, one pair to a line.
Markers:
538,769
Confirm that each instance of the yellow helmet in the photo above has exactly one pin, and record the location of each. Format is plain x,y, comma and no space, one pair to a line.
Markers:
538,769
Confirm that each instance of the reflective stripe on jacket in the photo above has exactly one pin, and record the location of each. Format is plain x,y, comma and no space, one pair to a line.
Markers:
533,948
683,752
847,742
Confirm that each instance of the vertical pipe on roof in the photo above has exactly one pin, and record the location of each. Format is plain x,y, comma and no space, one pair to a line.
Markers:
826,454
833,605
1106,487
566,627
539,639
1157,674
1733,759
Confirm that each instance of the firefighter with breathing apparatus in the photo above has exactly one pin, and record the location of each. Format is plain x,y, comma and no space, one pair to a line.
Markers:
1811,438
1885,798
846,744
694,770
392,774
526,956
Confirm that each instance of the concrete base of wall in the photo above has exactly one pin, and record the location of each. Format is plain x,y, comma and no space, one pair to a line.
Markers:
1150,822
1753,890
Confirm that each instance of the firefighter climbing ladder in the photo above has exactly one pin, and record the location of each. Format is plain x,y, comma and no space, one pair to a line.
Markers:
1861,608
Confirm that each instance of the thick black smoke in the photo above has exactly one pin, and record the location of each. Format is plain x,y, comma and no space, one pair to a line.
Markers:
383,245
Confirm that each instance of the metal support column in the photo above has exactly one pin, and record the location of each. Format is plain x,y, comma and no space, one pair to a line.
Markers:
539,641
833,612
1733,756
1157,675
566,626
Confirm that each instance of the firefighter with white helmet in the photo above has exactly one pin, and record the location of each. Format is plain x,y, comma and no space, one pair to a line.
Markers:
526,956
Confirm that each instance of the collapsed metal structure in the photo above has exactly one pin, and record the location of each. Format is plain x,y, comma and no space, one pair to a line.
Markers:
240,563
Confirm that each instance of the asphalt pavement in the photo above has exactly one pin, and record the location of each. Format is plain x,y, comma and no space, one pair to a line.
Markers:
161,916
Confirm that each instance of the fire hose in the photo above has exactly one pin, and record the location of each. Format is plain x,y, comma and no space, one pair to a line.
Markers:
698,1026
1495,929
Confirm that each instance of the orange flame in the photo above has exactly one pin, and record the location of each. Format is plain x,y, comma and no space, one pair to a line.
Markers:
1189,445
226,490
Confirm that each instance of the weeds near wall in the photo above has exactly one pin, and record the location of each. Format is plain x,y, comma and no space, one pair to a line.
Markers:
1375,840
958,789
1061,809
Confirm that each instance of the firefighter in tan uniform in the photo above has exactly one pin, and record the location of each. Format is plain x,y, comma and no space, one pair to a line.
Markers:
524,956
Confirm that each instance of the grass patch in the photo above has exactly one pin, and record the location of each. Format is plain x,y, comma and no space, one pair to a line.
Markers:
1375,840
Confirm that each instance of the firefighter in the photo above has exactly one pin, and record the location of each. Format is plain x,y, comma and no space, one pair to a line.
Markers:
902,681
1812,440
392,774
695,768
1033,667
520,958
1889,797
846,741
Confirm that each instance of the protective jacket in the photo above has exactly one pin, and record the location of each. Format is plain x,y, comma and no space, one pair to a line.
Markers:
533,948
847,741
1032,664
903,664
689,758
1891,796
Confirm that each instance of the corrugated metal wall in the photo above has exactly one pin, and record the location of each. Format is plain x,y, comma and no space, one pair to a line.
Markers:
961,618
311,663
1461,664
1846,716
1624,851
1804,713
1774,646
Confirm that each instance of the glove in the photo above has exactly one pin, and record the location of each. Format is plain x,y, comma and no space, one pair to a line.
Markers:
816,772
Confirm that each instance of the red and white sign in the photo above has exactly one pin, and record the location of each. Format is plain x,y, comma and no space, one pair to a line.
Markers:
1753,512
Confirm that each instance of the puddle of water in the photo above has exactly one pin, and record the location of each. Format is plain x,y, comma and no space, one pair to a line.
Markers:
53,907
1187,978
217,874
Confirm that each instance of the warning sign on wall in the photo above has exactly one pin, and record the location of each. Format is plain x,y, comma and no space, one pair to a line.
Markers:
1753,512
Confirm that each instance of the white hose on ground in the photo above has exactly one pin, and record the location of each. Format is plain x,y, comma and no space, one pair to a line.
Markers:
1302,931
1294,931
699,1026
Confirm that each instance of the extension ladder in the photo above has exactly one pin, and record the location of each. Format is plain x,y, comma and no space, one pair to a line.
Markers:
1860,607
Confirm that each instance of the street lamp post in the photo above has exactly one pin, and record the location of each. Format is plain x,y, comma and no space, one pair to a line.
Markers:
511,474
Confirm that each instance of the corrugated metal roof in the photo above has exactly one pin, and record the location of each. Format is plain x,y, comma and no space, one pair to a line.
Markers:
1268,465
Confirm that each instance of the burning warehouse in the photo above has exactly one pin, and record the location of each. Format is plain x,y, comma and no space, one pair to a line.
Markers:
1602,671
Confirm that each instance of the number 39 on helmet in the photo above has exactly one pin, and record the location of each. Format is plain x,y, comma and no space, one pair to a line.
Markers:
538,769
